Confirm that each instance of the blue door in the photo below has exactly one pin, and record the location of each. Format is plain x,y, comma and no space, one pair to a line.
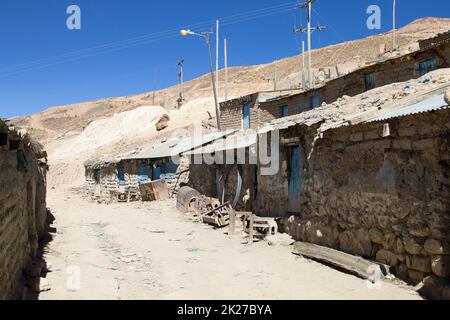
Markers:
156,173
246,115
121,175
294,180
143,172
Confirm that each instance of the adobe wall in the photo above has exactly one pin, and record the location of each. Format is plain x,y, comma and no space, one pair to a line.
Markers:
22,211
386,199
231,113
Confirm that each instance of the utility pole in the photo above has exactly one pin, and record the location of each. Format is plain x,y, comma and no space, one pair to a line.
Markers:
303,66
225,52
155,69
309,43
217,57
394,44
275,77
308,5
207,37
181,84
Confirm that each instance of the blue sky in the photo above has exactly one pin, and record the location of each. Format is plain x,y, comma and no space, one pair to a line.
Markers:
34,30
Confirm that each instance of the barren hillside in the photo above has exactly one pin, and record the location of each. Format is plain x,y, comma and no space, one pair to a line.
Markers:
75,133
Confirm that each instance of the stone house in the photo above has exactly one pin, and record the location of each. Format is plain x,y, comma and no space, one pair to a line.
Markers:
23,211
255,110
123,175
377,187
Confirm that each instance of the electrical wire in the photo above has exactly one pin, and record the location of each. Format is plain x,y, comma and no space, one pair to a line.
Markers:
136,41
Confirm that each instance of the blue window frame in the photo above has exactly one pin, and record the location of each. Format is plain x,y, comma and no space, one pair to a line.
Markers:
246,115
284,111
121,175
369,81
315,102
427,66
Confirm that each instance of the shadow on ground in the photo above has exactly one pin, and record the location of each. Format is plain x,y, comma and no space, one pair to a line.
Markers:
35,275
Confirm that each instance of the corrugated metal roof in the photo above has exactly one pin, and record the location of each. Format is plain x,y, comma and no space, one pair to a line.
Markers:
176,147
237,141
430,104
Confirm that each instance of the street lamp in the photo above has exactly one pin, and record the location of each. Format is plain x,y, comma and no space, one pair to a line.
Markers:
207,36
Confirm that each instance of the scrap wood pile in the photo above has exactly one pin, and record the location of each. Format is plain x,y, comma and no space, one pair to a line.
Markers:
210,211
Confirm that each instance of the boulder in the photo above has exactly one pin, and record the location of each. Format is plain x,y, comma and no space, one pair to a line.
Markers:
433,246
163,122
387,257
411,246
435,288
419,263
376,236
415,277
389,241
440,265
357,243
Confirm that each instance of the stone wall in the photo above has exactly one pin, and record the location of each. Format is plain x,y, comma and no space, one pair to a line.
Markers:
386,199
109,182
202,177
22,210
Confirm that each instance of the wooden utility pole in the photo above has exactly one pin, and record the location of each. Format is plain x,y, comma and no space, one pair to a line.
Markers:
394,44
181,83
308,30
225,49
217,57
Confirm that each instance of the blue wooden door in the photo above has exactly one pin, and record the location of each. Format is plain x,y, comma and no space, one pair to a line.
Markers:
121,175
143,172
246,115
294,180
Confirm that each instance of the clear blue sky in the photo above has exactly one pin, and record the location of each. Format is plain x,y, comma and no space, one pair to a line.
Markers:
33,30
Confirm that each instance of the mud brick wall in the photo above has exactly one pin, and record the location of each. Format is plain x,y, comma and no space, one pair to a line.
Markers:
22,212
231,114
386,199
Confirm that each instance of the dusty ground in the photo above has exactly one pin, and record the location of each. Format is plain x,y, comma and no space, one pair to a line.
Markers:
151,251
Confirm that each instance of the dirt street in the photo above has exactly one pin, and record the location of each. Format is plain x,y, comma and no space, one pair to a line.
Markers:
151,251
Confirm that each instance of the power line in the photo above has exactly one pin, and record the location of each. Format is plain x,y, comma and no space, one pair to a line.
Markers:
140,40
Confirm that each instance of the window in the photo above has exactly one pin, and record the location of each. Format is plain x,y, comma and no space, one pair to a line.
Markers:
121,175
246,115
369,81
427,66
315,102
284,111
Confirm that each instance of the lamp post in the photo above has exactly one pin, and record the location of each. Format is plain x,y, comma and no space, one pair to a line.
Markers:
207,36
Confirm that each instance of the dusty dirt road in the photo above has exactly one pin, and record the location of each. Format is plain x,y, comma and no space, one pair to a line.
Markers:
151,251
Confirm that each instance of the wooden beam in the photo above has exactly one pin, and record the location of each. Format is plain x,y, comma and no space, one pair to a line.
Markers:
353,264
